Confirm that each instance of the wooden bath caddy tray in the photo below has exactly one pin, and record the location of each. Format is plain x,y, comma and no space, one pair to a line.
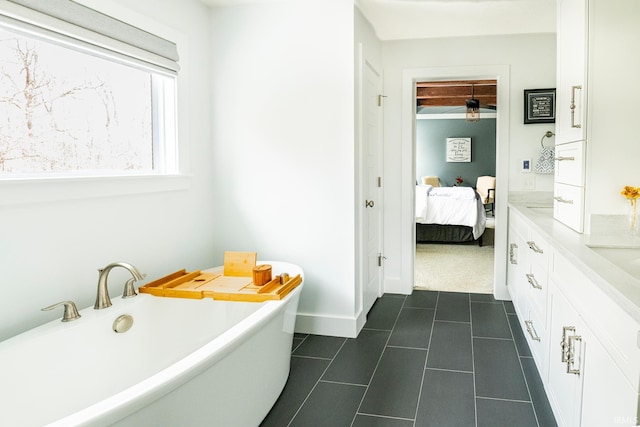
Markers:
198,285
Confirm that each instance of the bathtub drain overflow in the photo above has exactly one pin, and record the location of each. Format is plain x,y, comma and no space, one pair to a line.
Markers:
122,323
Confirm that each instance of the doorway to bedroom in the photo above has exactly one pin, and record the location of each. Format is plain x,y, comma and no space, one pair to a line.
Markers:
455,149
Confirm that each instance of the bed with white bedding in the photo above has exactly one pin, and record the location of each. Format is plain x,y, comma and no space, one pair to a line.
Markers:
449,214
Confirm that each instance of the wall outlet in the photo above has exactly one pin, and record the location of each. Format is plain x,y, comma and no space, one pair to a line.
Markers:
529,182
526,165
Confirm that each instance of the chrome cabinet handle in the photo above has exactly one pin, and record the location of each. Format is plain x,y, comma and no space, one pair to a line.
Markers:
571,355
512,253
534,247
561,158
560,199
532,281
573,106
564,345
532,332
368,203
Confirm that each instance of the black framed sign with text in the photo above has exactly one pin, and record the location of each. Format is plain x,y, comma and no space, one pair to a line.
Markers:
539,106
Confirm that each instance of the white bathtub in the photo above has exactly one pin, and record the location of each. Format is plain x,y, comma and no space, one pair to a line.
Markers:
183,363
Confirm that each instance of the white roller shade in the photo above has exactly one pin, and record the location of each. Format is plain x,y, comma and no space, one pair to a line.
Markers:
75,23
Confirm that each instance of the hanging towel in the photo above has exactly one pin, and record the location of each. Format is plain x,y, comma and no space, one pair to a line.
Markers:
546,161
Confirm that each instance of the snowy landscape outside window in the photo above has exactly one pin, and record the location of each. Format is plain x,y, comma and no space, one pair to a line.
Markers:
68,112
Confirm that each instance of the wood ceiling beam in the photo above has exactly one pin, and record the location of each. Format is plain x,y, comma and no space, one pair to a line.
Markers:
454,101
454,93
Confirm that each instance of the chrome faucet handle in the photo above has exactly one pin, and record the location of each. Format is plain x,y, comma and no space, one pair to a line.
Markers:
70,310
129,290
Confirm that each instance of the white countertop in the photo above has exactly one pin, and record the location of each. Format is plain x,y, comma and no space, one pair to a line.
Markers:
609,273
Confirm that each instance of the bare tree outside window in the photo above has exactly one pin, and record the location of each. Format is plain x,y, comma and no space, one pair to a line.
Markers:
66,111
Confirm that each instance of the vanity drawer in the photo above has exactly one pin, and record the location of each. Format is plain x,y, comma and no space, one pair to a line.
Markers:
518,224
618,332
536,335
537,249
537,286
569,163
568,205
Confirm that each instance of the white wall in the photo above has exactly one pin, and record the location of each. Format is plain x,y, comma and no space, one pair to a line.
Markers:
613,144
50,250
283,138
530,60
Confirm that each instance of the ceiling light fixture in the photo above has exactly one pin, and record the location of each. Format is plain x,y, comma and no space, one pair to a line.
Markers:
473,108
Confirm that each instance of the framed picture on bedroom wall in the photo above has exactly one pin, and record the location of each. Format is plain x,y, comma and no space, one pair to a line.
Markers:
458,149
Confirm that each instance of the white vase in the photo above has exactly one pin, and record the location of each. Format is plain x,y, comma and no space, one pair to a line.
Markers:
633,216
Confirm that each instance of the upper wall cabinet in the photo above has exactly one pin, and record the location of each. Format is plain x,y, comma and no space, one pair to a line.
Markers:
571,92
572,69
596,117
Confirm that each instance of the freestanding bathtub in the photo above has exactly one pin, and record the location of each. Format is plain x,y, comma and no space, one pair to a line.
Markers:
183,363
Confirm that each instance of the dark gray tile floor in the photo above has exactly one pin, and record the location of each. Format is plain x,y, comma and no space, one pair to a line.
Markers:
428,359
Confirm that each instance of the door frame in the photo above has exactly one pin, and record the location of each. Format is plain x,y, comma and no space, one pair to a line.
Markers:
408,146
360,254
378,200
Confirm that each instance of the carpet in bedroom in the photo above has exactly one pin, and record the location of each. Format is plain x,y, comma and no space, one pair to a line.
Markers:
454,268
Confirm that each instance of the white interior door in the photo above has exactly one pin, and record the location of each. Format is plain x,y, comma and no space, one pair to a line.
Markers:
372,151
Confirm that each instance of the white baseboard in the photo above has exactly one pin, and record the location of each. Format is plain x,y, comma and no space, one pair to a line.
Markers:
335,326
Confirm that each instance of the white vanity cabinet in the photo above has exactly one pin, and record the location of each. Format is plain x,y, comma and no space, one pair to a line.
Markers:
527,275
566,361
517,262
594,359
585,346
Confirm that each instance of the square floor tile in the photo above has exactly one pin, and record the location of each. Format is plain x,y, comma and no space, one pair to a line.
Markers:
451,346
509,307
384,312
538,395
489,320
483,298
413,328
397,392
303,376
319,346
330,405
422,299
358,358
447,400
453,306
377,421
395,386
518,336
295,343
498,371
502,413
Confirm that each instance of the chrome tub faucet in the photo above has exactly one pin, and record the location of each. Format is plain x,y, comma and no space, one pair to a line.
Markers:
102,299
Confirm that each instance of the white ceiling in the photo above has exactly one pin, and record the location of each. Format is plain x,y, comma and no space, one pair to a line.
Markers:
414,19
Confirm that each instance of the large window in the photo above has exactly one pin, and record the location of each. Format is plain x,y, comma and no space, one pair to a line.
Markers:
69,111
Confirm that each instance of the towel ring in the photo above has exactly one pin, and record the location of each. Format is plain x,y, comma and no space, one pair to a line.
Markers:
548,134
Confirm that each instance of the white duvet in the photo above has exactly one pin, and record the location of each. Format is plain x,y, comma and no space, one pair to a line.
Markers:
450,206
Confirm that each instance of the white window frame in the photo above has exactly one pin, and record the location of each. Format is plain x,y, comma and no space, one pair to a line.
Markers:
166,176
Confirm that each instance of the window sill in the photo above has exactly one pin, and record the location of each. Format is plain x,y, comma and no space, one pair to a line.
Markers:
21,191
